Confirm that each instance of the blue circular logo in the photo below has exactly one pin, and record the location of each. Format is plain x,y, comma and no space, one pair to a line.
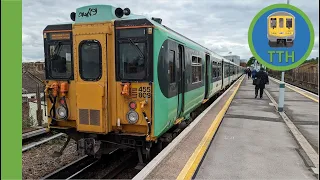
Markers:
281,37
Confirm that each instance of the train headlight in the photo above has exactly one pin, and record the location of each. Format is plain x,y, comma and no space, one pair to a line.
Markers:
62,112
132,117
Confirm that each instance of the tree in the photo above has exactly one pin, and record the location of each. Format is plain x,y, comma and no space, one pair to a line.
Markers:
251,61
312,60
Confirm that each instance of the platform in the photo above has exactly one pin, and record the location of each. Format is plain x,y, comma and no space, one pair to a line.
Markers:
252,141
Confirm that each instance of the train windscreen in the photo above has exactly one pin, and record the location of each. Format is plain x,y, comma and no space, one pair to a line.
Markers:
132,54
289,23
59,60
273,22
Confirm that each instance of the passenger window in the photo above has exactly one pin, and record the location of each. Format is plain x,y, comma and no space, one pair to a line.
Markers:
215,69
90,60
172,74
196,69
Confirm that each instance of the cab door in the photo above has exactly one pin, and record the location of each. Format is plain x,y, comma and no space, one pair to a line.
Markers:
281,29
91,78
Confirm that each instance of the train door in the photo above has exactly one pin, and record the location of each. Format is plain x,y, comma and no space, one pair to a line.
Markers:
281,29
222,73
207,84
91,73
181,79
229,73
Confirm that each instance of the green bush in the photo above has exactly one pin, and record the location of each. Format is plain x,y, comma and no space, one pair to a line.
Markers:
29,122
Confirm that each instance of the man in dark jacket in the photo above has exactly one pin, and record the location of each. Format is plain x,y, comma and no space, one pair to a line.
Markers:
261,80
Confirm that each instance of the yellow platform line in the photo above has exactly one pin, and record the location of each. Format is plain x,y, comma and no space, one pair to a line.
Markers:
194,161
298,91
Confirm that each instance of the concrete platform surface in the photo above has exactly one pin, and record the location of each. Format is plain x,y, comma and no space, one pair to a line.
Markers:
171,166
303,112
253,142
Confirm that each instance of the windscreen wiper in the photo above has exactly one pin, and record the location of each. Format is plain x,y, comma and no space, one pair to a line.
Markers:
137,47
57,49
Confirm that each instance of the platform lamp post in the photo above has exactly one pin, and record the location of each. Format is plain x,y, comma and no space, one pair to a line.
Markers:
282,88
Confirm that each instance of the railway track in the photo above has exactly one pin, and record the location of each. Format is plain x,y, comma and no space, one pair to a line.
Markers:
39,141
34,134
87,167
72,169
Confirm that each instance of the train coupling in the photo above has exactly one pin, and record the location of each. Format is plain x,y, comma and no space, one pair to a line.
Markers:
88,146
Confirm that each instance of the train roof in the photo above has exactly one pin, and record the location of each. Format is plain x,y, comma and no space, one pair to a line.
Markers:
100,13
66,26
280,13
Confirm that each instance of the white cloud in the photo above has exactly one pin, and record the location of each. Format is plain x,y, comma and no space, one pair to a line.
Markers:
221,25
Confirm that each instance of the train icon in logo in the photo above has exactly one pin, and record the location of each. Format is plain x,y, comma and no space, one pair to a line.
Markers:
281,29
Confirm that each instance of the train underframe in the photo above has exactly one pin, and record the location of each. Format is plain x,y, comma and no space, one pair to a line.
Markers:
284,42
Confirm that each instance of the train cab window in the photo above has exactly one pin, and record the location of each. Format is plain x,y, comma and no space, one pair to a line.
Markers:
132,60
273,22
90,60
196,69
132,54
60,61
289,23
281,22
172,75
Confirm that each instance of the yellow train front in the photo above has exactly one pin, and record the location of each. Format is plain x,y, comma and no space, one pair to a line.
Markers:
85,100
281,29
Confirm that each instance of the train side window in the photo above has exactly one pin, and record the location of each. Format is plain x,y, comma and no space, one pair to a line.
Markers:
172,74
289,23
90,65
281,22
196,69
214,69
273,22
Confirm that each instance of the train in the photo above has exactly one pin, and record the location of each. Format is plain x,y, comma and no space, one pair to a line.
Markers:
119,80
281,29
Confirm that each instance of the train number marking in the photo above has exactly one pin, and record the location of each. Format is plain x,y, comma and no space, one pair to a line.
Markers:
91,12
144,92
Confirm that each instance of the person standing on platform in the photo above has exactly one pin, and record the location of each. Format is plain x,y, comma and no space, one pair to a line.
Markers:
260,81
253,74
249,73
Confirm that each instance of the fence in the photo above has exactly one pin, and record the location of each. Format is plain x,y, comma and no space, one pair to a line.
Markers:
305,80
33,110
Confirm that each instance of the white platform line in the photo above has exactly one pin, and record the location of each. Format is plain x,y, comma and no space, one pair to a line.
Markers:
157,160
311,153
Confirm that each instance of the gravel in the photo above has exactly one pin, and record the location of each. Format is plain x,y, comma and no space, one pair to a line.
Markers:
38,162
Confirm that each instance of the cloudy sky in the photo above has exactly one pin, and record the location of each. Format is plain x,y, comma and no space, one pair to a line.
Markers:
221,25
